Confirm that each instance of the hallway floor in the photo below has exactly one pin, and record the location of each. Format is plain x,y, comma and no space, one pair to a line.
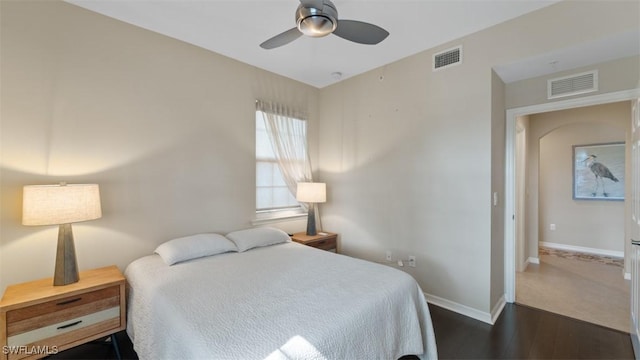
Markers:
592,291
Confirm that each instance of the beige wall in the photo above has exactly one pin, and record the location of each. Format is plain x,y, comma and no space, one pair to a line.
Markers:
614,75
591,224
166,129
409,156
498,131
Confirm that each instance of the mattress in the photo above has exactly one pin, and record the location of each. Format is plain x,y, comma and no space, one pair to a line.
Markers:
285,301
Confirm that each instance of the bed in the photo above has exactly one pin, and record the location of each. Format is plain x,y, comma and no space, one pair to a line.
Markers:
254,294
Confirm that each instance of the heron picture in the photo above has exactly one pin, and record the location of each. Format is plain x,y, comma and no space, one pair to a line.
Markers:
598,171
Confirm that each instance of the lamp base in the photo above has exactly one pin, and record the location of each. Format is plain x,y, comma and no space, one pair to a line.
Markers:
66,271
311,220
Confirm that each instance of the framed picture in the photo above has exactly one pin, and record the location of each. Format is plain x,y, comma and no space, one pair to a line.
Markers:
598,171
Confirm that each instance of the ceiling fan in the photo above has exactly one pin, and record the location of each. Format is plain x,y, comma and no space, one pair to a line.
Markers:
317,18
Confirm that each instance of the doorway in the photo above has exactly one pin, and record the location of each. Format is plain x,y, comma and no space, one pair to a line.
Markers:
577,244
512,246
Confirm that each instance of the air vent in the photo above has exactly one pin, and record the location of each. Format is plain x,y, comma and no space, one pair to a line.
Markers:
447,58
573,85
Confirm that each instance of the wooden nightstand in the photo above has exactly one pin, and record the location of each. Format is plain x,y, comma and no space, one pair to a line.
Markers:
323,240
38,319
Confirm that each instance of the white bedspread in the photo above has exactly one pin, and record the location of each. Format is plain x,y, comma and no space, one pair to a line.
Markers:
285,301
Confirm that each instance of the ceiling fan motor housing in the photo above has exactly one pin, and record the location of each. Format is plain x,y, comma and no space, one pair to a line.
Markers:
316,22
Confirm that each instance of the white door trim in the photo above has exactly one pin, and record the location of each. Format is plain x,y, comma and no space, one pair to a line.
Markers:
510,169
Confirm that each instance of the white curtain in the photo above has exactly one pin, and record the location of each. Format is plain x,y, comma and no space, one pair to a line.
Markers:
287,132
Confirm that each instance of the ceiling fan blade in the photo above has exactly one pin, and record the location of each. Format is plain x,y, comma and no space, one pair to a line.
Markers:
360,32
281,39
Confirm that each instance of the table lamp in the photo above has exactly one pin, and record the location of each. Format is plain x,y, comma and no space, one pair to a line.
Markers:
311,193
61,205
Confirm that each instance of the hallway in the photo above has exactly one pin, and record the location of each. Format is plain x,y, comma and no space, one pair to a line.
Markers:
577,286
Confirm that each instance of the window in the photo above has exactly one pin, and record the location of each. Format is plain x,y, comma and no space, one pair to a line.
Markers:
272,192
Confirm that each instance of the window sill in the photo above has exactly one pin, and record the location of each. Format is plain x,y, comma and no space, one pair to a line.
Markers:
280,216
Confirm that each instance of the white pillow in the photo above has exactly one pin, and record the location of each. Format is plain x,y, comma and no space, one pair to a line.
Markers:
194,246
257,237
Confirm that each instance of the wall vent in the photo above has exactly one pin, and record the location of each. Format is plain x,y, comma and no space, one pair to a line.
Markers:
447,58
573,85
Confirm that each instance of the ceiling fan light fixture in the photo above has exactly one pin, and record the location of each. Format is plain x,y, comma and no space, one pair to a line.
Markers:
316,22
316,26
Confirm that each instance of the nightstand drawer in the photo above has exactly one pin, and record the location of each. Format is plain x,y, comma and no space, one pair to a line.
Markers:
48,333
324,244
53,318
72,305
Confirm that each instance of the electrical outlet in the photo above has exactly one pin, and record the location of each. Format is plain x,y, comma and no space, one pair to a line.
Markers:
412,261
388,255
552,227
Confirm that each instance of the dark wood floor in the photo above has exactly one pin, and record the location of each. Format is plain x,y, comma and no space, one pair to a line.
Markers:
520,333
525,333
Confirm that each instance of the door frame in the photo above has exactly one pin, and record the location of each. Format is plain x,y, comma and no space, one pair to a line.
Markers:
510,170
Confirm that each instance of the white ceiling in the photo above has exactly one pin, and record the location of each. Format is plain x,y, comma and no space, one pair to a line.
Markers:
236,28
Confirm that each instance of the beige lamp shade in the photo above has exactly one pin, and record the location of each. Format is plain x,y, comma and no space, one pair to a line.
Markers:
311,192
60,204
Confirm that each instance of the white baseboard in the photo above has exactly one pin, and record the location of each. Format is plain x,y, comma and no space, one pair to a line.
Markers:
527,262
468,311
613,253
497,309
533,260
